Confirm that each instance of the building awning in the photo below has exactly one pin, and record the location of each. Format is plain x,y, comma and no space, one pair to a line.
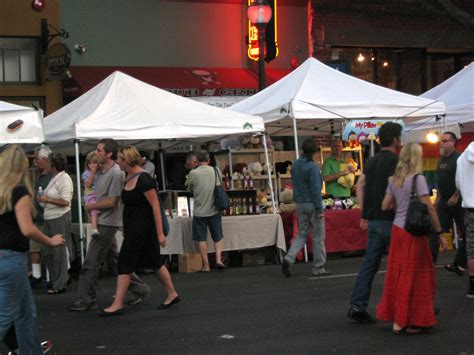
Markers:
188,82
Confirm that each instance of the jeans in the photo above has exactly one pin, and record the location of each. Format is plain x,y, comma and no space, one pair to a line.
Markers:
16,302
379,232
307,218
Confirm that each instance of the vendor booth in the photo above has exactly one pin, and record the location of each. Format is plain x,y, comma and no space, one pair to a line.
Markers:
316,99
133,112
457,92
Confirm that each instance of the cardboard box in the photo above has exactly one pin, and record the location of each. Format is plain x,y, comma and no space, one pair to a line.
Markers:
189,263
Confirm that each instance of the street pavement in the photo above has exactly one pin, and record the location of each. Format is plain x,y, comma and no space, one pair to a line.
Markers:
255,310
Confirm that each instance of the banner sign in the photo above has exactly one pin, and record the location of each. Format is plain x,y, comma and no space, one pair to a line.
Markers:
361,130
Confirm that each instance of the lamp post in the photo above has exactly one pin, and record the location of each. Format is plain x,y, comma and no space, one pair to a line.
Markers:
259,14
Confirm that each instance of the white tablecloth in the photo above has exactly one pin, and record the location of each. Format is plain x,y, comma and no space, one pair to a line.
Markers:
240,233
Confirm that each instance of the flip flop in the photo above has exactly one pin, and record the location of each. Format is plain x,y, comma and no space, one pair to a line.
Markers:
53,291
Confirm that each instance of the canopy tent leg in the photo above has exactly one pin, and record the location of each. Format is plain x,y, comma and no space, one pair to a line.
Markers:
162,168
231,172
270,182
79,199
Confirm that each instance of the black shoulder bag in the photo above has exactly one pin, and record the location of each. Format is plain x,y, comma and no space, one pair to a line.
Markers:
418,221
221,200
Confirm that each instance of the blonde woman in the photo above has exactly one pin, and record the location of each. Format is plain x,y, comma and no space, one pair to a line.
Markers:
16,224
143,232
410,283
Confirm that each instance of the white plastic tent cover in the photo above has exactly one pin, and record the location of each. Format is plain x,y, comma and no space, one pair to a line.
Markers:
20,124
124,108
457,92
317,91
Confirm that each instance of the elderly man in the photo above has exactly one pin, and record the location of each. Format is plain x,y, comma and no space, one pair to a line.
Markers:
180,174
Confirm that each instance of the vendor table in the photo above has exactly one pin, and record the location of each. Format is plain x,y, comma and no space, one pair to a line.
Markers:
240,233
343,232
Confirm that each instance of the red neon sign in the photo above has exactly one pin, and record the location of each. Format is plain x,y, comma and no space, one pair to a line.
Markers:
253,49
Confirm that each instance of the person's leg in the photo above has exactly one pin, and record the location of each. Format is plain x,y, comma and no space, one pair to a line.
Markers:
200,236
319,249
93,262
461,258
205,259
111,258
123,281
469,222
20,301
215,227
304,211
94,218
58,267
165,278
378,238
138,287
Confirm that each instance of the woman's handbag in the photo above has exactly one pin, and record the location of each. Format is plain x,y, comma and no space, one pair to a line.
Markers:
418,221
221,200
164,219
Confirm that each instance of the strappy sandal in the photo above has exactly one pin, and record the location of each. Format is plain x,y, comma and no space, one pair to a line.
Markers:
412,330
53,291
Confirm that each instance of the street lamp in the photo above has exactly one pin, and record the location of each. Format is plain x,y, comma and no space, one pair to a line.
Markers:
259,14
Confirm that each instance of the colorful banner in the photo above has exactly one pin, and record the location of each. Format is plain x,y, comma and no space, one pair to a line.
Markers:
362,130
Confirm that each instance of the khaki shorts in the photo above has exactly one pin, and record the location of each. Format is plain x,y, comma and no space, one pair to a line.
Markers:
35,247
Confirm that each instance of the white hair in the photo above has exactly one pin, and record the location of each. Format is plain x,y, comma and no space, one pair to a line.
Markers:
43,152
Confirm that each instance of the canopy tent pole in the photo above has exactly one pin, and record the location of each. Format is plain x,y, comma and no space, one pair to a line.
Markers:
270,182
295,134
79,199
230,169
162,168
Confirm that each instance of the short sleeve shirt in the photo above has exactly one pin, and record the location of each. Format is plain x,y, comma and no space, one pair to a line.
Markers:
402,197
201,182
377,171
332,166
446,174
110,184
11,237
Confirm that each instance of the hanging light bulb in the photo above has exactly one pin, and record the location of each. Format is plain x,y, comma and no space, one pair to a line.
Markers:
360,58
385,64
432,137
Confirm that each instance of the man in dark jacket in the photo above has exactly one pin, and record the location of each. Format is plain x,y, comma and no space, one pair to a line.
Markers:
307,185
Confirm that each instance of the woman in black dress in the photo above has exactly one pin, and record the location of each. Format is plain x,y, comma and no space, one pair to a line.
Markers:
142,230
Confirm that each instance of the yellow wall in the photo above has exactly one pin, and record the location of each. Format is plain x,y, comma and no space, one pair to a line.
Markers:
17,18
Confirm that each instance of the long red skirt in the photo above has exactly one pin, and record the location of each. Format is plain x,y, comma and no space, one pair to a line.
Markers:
410,283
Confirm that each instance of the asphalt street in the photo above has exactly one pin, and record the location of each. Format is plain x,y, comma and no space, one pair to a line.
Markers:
255,310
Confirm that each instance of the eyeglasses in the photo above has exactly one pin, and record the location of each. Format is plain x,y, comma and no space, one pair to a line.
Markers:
445,140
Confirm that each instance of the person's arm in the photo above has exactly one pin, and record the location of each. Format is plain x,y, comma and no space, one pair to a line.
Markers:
434,220
360,198
89,179
107,203
152,198
336,176
27,227
316,187
388,202
454,199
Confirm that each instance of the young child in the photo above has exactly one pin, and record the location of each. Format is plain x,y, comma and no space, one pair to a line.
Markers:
89,178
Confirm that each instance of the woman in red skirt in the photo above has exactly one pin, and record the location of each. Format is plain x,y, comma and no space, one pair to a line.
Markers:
410,283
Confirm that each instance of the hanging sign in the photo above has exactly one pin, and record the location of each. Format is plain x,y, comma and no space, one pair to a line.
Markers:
361,130
58,59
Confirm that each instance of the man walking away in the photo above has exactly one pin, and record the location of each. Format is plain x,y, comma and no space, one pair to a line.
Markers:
370,191
464,174
307,185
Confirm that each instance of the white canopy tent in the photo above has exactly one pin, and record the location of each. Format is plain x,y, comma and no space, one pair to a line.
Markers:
316,93
20,124
458,94
127,109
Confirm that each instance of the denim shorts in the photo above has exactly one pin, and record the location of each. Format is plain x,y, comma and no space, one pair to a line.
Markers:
200,225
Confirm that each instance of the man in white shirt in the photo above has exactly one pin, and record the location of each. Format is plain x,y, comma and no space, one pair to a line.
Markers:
464,174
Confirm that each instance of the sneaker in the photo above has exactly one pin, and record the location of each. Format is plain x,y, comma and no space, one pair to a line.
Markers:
360,315
470,293
46,345
454,268
321,272
35,281
135,299
80,306
95,234
285,268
